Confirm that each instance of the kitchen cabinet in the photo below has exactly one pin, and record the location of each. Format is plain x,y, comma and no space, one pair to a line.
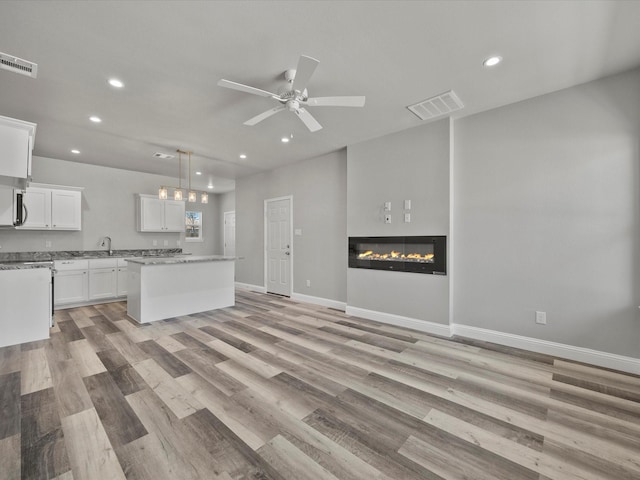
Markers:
53,208
122,278
103,278
25,309
71,282
155,215
16,145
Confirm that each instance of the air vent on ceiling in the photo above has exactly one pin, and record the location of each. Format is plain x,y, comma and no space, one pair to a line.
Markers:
18,65
164,156
437,106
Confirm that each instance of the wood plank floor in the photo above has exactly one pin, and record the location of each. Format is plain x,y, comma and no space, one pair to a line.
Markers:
275,389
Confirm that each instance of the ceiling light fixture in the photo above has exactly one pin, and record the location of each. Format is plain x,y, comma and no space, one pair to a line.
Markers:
284,139
114,82
243,156
198,173
492,61
192,195
76,152
95,119
210,186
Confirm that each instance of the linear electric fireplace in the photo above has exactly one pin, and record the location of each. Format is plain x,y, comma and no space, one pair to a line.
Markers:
426,254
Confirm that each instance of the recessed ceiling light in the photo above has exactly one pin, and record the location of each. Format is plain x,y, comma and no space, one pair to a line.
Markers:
492,61
243,156
210,186
114,82
77,152
284,139
198,173
95,119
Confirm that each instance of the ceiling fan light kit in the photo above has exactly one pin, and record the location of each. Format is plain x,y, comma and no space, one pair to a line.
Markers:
294,96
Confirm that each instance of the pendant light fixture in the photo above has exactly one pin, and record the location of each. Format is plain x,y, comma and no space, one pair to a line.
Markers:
178,194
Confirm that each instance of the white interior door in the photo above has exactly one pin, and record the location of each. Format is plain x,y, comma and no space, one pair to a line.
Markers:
230,234
278,246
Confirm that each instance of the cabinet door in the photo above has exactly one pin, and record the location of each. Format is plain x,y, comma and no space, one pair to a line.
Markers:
66,209
151,215
15,151
122,281
174,219
102,283
70,286
38,203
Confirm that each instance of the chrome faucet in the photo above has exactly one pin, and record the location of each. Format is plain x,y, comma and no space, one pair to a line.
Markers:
102,244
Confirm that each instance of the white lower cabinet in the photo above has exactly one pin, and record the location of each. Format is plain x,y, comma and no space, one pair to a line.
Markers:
103,278
87,281
71,282
122,277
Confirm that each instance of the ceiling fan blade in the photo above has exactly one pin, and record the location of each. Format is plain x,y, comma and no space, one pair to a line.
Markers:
304,70
336,102
263,115
311,123
246,88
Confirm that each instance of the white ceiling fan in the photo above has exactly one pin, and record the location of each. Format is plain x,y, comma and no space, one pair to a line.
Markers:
294,97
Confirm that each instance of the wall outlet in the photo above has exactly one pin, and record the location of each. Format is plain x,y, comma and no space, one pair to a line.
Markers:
407,218
47,243
297,232
541,318
155,243
308,283
387,219
178,243
166,243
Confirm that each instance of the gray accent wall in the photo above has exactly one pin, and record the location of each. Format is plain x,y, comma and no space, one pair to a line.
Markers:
547,217
108,208
409,165
319,190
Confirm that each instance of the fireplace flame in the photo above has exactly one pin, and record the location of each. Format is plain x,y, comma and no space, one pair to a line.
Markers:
393,255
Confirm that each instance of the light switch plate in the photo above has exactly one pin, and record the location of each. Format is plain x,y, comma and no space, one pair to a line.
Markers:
387,206
407,204
407,218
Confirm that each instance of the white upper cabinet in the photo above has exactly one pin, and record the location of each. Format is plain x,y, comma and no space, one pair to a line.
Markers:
16,144
53,208
66,210
155,215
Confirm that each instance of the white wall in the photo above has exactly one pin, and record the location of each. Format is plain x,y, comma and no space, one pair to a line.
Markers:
108,208
409,165
547,217
318,187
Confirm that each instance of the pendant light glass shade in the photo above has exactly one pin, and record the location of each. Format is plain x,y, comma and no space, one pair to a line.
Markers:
177,194
163,193
193,196
204,197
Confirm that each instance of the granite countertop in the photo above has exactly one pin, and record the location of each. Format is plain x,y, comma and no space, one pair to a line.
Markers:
181,259
24,260
25,265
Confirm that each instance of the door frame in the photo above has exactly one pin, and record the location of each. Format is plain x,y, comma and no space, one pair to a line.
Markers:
224,232
266,237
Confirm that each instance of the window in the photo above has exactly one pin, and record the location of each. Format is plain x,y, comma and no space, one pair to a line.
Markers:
193,227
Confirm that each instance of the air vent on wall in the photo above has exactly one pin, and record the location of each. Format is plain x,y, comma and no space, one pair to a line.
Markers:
18,65
442,104
164,156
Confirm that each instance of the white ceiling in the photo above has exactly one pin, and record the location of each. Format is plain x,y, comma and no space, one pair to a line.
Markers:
171,55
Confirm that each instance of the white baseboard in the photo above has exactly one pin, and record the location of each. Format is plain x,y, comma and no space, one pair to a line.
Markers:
425,326
253,288
579,354
324,302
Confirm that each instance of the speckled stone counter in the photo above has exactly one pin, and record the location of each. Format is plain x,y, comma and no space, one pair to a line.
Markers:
181,259
25,260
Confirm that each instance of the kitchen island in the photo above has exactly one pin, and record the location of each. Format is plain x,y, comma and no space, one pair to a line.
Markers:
167,287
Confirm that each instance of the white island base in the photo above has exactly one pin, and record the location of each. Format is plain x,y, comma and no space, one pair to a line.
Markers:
161,288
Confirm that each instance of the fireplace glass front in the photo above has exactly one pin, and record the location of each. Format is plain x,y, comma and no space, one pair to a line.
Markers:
420,254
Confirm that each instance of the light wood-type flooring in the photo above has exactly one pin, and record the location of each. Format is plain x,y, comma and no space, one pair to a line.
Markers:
276,389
